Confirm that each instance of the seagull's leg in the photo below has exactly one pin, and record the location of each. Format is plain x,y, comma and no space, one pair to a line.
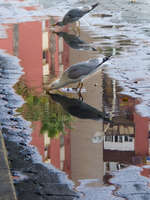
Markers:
76,28
79,93
80,96
78,86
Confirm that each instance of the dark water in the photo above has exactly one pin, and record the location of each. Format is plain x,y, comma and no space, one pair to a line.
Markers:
73,135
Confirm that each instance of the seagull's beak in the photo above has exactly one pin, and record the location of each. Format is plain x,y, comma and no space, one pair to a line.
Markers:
47,89
55,32
54,24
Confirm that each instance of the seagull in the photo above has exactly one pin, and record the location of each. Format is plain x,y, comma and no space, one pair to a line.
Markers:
75,42
75,14
79,109
77,73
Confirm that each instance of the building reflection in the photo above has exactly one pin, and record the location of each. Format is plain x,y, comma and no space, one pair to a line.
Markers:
55,61
40,55
126,141
45,55
7,43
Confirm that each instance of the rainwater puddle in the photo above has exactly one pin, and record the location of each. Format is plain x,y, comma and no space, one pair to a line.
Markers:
68,133
104,160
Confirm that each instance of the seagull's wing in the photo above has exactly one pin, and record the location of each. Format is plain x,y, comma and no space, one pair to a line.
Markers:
74,42
73,15
76,13
74,39
76,73
82,69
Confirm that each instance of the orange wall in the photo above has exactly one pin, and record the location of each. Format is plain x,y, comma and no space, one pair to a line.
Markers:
30,53
7,43
54,152
37,138
141,135
67,161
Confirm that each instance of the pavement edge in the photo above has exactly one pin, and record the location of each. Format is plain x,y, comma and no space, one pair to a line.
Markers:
7,189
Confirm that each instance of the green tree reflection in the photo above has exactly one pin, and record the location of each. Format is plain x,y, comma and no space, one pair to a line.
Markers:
41,107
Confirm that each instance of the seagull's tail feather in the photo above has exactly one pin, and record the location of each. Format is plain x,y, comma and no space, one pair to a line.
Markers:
94,6
106,58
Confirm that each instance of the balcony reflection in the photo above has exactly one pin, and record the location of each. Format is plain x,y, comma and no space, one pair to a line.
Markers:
122,142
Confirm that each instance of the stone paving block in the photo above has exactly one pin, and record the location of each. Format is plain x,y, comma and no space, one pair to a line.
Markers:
7,191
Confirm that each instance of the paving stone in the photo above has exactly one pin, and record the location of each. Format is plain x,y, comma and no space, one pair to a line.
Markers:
7,190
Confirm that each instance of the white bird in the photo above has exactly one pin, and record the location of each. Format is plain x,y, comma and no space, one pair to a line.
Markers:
75,14
78,72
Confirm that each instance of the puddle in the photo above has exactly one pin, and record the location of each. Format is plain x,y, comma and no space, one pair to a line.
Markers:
104,158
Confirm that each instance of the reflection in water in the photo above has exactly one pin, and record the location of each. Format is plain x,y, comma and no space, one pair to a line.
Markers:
75,42
40,108
122,142
79,109
126,141
51,127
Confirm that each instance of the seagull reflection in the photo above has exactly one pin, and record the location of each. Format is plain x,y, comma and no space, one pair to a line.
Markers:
75,14
74,42
79,109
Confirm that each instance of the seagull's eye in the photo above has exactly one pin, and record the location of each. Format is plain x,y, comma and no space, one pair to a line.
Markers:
53,85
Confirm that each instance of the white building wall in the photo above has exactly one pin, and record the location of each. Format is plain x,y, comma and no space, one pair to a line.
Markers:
120,143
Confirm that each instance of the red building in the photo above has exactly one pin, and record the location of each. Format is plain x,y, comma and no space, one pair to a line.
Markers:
139,134
7,43
27,41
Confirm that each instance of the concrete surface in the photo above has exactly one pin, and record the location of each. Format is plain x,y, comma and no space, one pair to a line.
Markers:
7,190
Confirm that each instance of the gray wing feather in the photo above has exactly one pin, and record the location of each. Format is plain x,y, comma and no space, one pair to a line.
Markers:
73,15
76,13
77,73
82,69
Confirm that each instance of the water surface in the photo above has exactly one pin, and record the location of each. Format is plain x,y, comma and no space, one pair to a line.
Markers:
104,160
